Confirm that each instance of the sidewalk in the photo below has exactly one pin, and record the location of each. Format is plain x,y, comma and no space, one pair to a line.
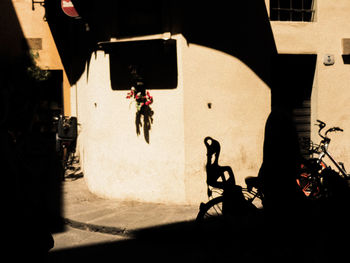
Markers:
100,229
84,210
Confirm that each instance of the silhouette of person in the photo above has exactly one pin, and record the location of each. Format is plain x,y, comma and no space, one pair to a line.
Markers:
281,160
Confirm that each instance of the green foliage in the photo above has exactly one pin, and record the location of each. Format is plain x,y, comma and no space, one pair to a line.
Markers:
34,71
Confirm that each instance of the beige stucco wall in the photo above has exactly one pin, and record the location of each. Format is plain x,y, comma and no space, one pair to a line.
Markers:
240,104
119,164
331,95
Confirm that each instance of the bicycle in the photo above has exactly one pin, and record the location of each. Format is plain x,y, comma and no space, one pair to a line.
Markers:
66,137
228,198
318,180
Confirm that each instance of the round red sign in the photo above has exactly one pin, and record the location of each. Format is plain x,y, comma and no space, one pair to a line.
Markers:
68,8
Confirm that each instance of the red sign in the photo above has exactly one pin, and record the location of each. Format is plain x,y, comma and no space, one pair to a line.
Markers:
68,8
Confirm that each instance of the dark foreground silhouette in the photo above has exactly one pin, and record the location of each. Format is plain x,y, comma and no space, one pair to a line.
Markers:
250,239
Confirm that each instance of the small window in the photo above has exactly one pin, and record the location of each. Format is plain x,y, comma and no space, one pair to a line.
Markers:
154,60
35,43
292,10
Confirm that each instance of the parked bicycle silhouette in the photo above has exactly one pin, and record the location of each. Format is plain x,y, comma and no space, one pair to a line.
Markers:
225,197
66,139
319,180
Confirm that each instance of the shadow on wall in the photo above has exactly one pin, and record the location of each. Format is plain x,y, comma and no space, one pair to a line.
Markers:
239,237
292,78
144,118
75,43
241,30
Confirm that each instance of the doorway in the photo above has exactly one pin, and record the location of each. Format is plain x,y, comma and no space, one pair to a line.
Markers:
292,79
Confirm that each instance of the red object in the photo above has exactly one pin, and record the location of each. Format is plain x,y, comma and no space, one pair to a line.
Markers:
68,8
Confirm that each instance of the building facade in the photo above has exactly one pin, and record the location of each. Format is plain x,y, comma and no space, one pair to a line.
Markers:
37,35
211,71
323,35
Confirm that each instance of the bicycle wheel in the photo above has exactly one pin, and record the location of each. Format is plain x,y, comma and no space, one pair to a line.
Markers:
211,209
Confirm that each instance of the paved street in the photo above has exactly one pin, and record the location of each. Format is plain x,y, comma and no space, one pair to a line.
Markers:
100,230
83,209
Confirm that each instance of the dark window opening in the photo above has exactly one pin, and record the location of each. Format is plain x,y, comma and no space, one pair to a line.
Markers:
155,60
292,10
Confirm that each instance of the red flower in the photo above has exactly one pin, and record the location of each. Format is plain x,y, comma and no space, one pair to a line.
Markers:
139,98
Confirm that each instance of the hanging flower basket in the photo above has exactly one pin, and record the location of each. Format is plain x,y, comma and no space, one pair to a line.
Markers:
140,99
144,113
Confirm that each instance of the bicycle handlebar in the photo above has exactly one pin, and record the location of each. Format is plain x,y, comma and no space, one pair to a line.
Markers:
334,129
321,124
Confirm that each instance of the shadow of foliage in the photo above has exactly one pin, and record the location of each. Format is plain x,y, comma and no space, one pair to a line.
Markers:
144,118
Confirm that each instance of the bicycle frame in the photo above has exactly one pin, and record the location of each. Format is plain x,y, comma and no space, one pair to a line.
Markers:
229,198
324,148
325,152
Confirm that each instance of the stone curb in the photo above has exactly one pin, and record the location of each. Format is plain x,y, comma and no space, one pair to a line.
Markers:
97,228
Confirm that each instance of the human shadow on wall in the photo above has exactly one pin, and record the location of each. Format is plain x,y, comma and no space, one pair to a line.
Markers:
292,78
285,205
281,157
286,208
